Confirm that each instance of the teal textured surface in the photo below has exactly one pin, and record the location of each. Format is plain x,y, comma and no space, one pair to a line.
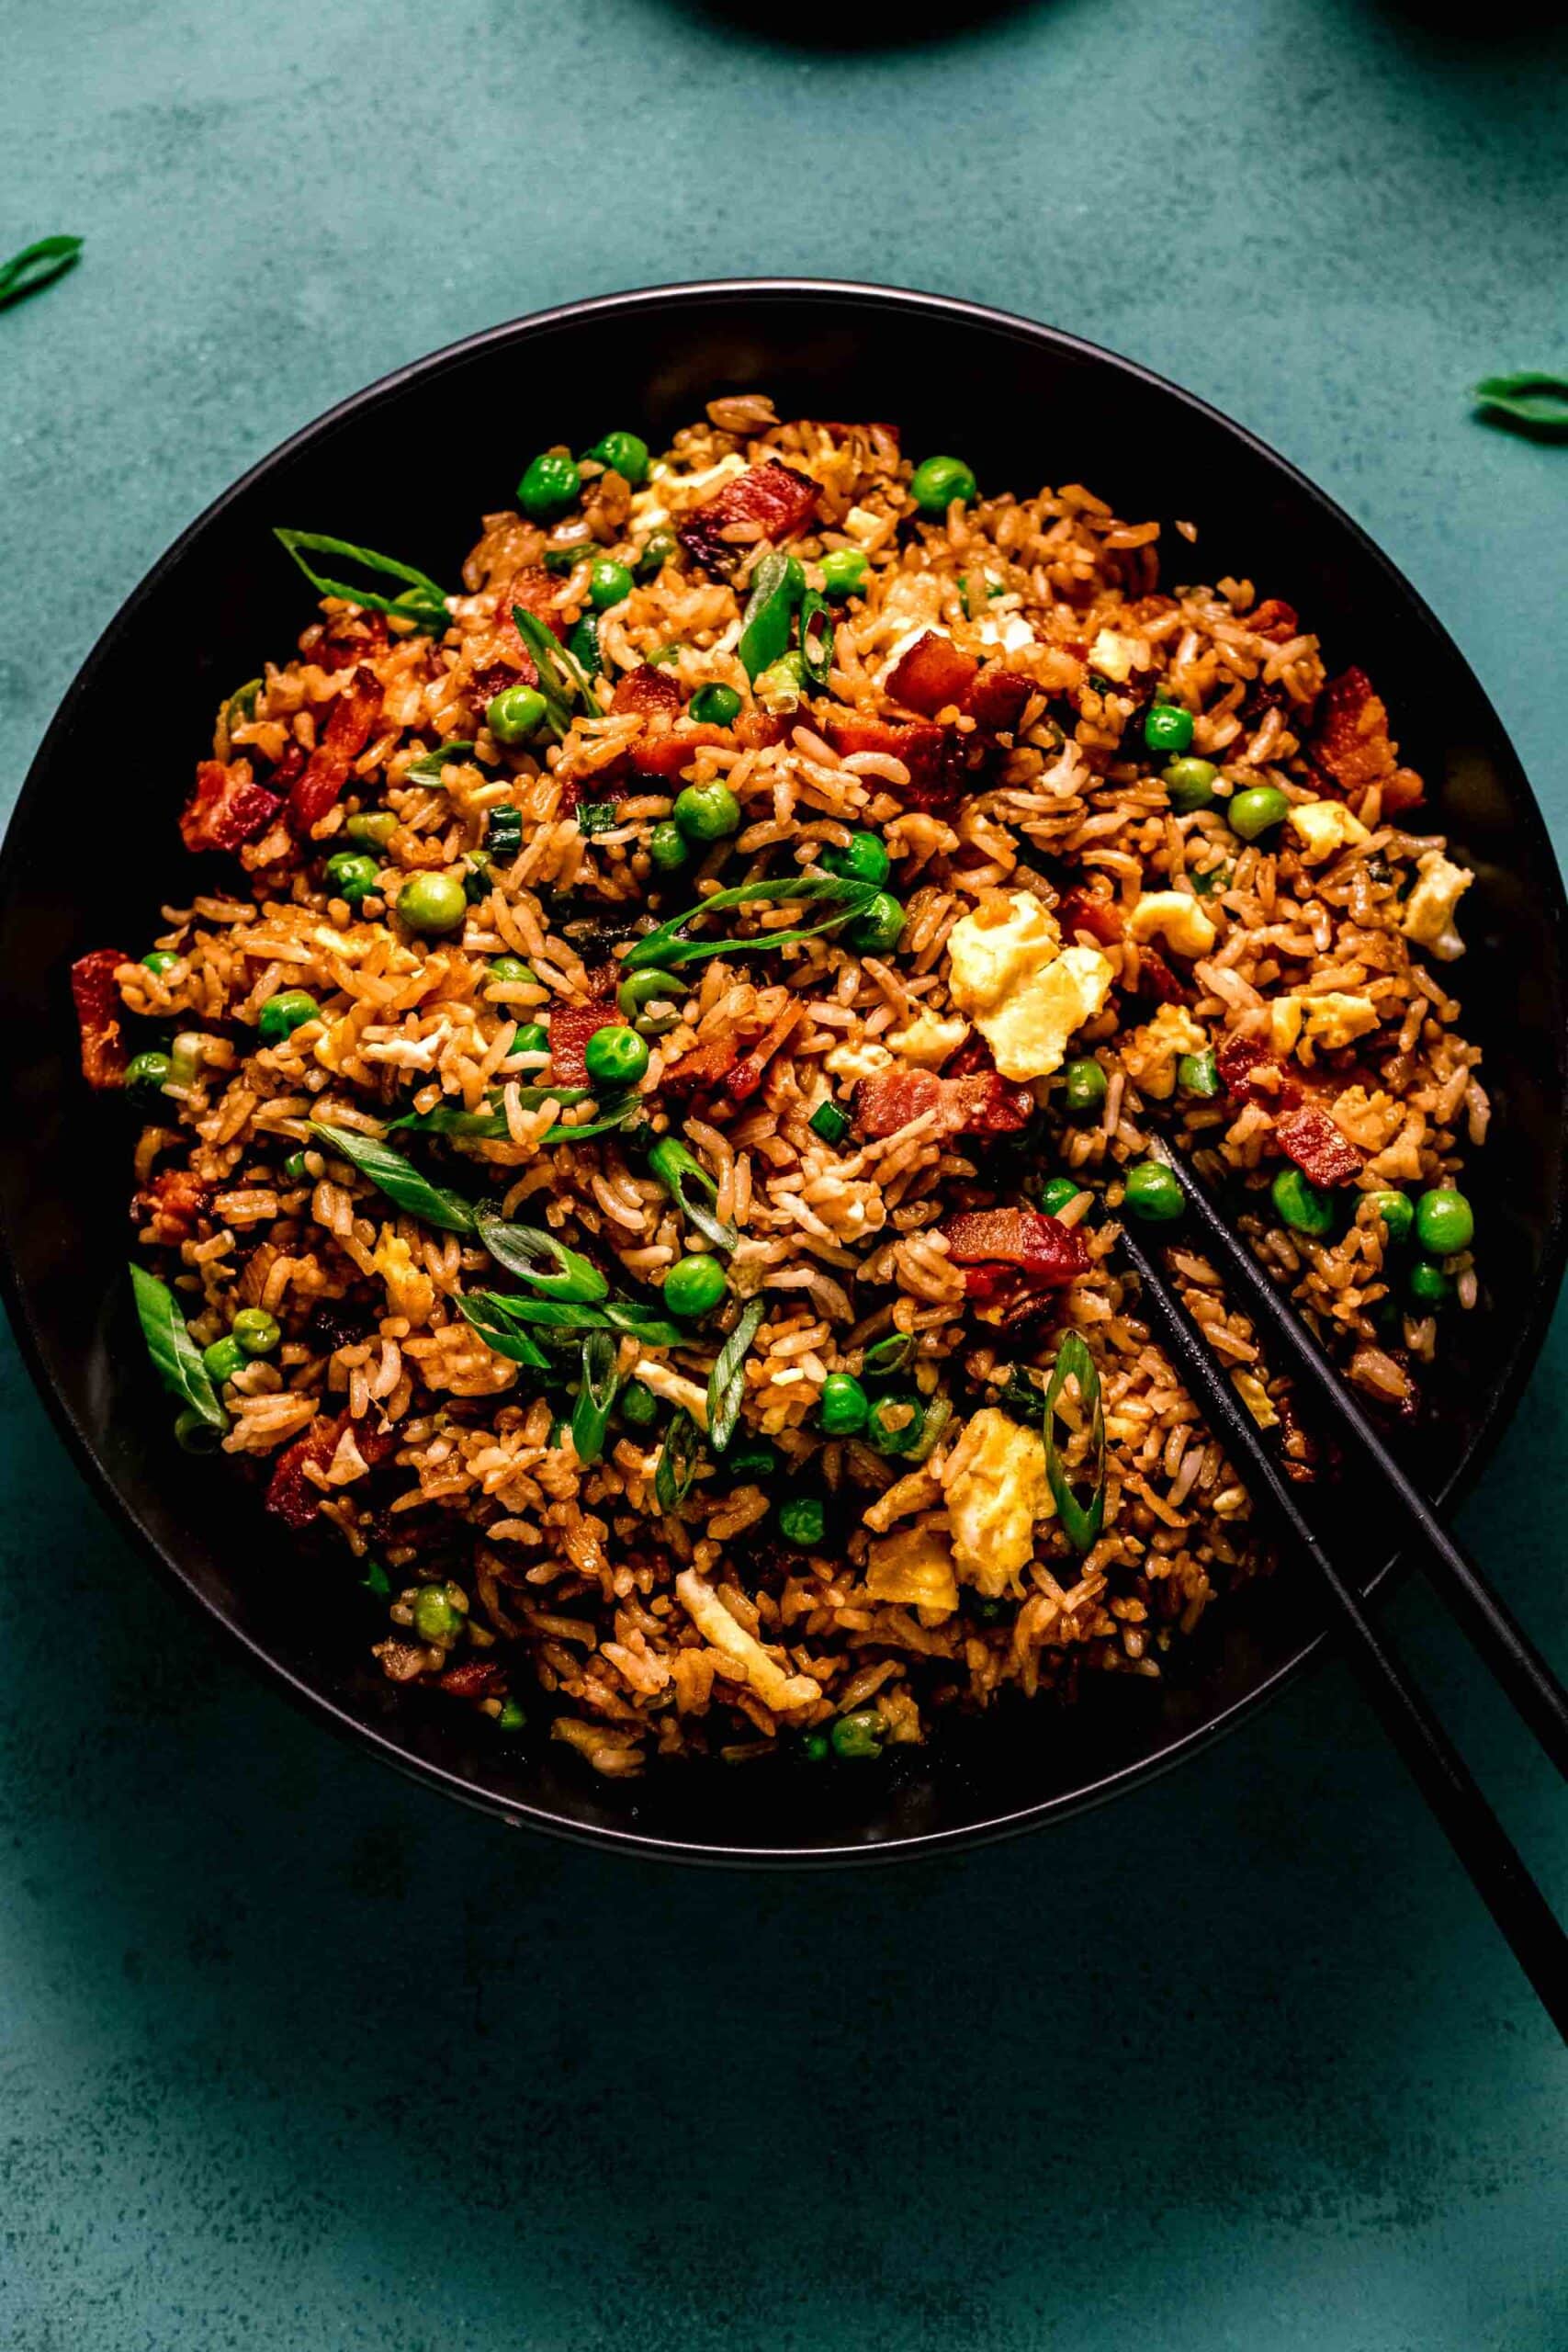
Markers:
294,2055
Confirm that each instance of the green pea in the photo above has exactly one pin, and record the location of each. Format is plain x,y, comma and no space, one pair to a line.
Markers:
511,1717
436,1620
1301,1205
1397,1215
283,1013
550,486
352,875
1084,1085
714,706
1197,1074
375,826
937,482
609,584
844,1405
780,686
802,1522
256,1330
1427,1285
615,1056
639,1406
863,859
624,453
667,848
706,812
857,1737
222,1360
1191,784
513,970
843,571
583,645
146,1074
894,1424
693,1287
752,1460
1445,1222
433,903
1055,1196
515,715
1167,727
640,991
194,1433
816,1748
532,1037
1152,1194
878,928
1256,810
829,1122
160,960
657,552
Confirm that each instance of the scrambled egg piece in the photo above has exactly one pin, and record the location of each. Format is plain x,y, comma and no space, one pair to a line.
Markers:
410,1290
1008,632
1337,1018
914,1569
1025,993
1149,1055
724,1633
1284,1023
1372,1120
1324,826
1115,657
1429,910
1182,920
927,1042
1255,1397
996,1488
858,1061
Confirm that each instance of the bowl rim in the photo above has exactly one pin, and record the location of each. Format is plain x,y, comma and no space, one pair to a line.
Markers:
516,1812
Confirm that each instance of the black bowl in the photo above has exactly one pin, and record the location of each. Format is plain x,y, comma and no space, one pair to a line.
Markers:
410,464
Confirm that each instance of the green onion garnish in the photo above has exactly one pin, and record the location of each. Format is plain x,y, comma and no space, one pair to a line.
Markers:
38,265
677,1462
816,637
429,765
1537,405
489,1126
778,585
829,1122
241,706
398,1178
1081,1522
500,1327
424,600
889,1356
562,680
536,1257
562,1320
595,816
617,1115
667,947
595,1398
176,1359
726,1382
686,1179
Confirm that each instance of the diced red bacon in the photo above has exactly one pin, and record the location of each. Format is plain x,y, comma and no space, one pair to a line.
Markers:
343,642
1081,910
650,692
98,1007
350,724
1273,618
475,1678
1254,1072
997,698
494,677
1310,1138
756,730
227,808
173,1204
1026,1242
769,501
292,1493
932,673
666,756
753,1067
570,1027
719,1062
1351,745
981,1104
936,775
1156,979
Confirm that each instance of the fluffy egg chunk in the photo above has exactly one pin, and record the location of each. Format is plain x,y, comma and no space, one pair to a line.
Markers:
1429,909
996,1488
1025,993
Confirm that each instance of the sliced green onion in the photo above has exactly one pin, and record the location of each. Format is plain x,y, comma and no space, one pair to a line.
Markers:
889,1356
491,1317
1081,1522
939,1412
38,265
726,1382
677,1462
241,706
567,1319
1532,403
669,946
816,637
615,1116
595,817
686,1179
488,1125
398,1178
596,1397
430,765
427,605
535,1256
563,679
777,586
175,1357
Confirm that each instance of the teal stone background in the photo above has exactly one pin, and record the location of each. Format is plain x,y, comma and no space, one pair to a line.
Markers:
295,2055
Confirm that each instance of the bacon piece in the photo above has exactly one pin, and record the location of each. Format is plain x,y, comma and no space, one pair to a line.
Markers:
719,1062
982,1104
1081,910
350,724
749,1072
1044,1250
936,774
1273,618
755,731
773,496
666,756
97,1003
494,677
295,1498
174,1203
1254,1072
1309,1136
1156,979
227,808
475,1678
570,1027
932,673
289,764
1352,746
997,698
359,639
650,692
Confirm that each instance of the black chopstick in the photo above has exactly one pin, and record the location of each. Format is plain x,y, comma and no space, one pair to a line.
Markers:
1519,1665
1477,1836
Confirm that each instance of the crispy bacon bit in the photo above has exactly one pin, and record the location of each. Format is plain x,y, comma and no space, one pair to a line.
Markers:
1273,618
349,727
936,777
932,673
1156,979
1352,746
294,1496
749,1072
343,642
475,1678
227,808
1254,1072
1081,910
997,699
719,1062
1310,1138
772,501
666,756
650,692
98,1003
981,1104
570,1027
756,730
494,677
1044,1250
174,1203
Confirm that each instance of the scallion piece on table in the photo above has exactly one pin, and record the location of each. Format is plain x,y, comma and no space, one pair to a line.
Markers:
778,585
596,1397
175,1357
726,1382
38,265
1530,404
536,1257
422,600
667,947
677,1462
1081,1522
398,1178
687,1180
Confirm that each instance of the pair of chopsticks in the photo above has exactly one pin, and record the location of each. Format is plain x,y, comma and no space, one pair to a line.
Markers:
1515,1903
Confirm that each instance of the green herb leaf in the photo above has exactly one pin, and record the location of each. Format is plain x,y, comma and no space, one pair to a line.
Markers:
677,1462
563,682
489,1126
498,1326
376,1580
567,1319
38,265
424,600
175,1357
398,1178
889,1356
241,706
686,1181
777,586
939,1412
429,767
1537,405
1081,1522
726,1382
667,947
535,1256
590,1415
816,637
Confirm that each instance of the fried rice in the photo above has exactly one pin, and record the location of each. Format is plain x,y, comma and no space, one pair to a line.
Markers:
884,1113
